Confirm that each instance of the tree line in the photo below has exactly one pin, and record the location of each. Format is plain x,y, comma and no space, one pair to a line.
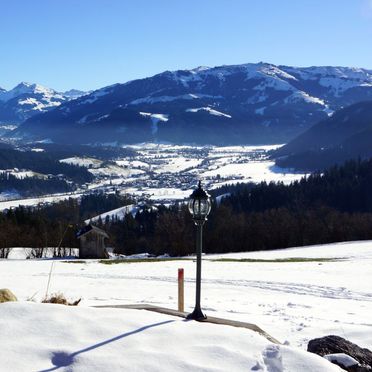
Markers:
42,162
31,186
321,208
52,225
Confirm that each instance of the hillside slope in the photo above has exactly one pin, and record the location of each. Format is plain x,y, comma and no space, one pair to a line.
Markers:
345,135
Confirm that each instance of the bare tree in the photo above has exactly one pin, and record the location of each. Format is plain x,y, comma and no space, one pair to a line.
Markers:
4,252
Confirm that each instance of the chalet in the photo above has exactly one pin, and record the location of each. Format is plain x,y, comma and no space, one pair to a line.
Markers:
92,242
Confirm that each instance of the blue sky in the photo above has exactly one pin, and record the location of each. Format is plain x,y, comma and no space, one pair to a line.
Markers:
87,44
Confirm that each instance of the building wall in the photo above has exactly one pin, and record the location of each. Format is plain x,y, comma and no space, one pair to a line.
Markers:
92,245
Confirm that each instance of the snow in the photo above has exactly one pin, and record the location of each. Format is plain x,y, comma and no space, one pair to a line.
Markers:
210,111
115,171
342,359
28,88
273,77
256,172
200,69
252,71
118,213
303,96
164,172
24,173
289,300
156,99
178,164
273,84
36,149
57,337
8,126
132,163
339,79
265,70
46,141
159,117
225,149
74,93
316,72
37,105
34,96
161,194
38,200
339,85
155,118
93,97
82,161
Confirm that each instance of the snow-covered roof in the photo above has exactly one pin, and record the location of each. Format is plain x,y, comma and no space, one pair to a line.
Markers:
89,228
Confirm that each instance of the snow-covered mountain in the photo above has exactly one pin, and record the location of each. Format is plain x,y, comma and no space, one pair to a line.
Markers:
247,103
26,100
74,93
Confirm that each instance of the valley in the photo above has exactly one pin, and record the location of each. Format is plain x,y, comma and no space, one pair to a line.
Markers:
165,173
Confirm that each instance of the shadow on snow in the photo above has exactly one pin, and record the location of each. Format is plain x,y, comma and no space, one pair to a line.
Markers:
61,359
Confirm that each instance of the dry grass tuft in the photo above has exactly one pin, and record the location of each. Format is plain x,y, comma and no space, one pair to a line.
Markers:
60,299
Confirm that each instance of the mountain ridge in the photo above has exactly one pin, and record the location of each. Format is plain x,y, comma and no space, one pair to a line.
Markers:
28,99
248,103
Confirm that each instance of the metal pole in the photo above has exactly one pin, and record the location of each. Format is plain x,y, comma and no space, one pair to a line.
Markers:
199,237
197,314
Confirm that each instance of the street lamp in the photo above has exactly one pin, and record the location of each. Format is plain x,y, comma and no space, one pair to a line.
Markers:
199,207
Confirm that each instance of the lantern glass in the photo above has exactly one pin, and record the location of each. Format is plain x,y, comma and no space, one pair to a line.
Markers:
200,208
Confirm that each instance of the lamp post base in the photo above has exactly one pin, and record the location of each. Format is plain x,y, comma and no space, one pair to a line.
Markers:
197,314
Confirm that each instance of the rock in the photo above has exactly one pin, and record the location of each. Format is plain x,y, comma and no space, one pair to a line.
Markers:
338,345
343,360
6,295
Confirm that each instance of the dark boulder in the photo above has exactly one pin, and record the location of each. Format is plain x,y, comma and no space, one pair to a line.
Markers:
335,344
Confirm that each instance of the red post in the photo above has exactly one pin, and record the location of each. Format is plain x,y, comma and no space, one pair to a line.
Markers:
180,290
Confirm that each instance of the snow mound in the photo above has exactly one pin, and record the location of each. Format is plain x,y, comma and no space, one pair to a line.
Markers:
56,337
342,359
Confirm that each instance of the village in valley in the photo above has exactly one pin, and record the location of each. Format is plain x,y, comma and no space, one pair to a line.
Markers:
164,173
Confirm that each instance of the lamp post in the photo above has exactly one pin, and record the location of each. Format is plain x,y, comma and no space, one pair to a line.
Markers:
199,207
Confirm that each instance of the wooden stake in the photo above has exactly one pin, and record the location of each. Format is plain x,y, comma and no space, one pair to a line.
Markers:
180,290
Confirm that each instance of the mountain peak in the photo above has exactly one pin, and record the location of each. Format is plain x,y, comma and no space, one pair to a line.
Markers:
27,99
200,69
74,93
27,88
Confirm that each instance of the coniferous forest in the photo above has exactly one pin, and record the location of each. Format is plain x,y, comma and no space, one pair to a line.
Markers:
322,208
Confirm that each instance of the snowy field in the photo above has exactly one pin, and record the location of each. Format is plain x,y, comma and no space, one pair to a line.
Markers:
295,295
41,200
